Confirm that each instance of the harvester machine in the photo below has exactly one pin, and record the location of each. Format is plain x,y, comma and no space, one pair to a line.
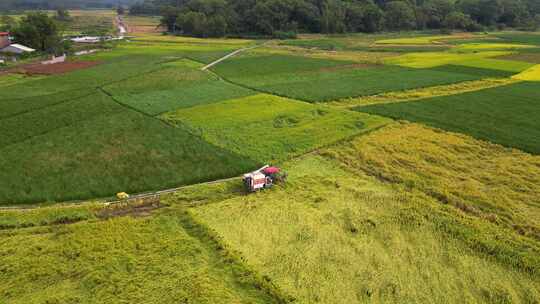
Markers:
263,178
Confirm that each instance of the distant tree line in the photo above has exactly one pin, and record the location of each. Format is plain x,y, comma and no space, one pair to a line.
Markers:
18,5
214,18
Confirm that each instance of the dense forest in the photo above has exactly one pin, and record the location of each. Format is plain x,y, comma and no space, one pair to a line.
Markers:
214,18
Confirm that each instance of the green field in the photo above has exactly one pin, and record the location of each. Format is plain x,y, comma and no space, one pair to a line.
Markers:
441,209
180,85
317,80
125,151
505,115
268,128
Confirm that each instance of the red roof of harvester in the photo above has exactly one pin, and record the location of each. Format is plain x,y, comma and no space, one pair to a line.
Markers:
271,170
4,33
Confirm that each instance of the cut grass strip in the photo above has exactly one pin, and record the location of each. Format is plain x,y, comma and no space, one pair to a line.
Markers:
424,93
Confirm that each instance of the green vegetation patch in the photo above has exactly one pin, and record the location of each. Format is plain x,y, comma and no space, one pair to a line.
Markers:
102,74
99,157
330,236
144,260
252,65
16,106
335,82
520,37
512,67
24,126
181,86
267,128
506,115
531,57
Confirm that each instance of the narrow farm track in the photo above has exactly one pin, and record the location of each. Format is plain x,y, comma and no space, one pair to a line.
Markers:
206,67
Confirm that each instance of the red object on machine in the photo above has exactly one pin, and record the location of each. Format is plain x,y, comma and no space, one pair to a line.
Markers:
271,170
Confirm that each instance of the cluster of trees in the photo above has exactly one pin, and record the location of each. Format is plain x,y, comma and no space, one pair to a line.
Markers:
277,17
38,30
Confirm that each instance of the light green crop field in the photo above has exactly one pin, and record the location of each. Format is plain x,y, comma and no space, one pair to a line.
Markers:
373,210
268,128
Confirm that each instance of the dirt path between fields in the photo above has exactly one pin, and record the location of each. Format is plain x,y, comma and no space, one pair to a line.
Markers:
206,67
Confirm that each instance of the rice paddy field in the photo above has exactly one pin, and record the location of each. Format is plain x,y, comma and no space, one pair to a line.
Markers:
412,160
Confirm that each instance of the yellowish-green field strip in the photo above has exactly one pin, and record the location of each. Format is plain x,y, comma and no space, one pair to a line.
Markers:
193,40
330,236
491,182
423,40
269,128
158,259
435,59
354,56
532,74
424,93
491,46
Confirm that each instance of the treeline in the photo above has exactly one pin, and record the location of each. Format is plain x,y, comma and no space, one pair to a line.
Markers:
18,5
214,18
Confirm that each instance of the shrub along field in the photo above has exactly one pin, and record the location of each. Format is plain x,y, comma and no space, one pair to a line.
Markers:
507,115
268,128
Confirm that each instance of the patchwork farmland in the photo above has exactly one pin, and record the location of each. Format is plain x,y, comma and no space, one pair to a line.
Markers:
412,159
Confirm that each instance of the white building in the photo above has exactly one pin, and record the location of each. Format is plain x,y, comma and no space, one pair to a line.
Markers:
17,49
